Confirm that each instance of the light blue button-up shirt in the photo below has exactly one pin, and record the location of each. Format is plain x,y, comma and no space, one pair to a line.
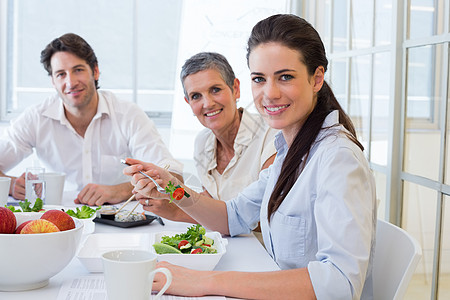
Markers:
326,222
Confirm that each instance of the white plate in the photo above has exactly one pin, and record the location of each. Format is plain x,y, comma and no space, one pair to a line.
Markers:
97,244
202,262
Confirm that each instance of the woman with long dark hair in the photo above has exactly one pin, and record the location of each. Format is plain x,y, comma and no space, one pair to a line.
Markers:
316,203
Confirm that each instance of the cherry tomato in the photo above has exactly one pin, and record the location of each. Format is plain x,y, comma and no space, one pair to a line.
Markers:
207,245
195,251
178,194
182,243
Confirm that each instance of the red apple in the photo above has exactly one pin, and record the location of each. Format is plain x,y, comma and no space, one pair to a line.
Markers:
19,228
61,219
8,220
39,226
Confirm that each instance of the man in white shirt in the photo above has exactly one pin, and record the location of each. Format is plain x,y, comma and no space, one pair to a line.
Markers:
81,131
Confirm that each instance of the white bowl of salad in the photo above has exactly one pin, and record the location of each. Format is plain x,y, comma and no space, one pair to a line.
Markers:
193,249
86,215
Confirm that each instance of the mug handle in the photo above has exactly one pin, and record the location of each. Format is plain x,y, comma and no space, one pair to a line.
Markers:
168,280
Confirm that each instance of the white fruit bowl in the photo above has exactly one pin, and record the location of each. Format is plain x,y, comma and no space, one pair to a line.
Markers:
28,261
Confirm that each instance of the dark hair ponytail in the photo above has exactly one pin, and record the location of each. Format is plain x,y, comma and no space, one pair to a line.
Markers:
297,34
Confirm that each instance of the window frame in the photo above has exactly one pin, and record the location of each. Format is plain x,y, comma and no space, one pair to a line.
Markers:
8,78
398,121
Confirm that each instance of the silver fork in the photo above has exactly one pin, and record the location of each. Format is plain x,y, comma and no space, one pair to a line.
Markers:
158,187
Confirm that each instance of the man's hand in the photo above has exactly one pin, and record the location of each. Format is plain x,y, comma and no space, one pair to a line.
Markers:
97,194
17,188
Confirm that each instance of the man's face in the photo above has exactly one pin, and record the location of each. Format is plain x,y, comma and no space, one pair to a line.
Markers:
73,79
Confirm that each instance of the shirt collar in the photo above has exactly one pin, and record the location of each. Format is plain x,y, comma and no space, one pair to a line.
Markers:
247,129
102,107
280,142
245,133
56,110
330,120
244,137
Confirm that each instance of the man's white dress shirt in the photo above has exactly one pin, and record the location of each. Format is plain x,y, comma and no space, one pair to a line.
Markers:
118,130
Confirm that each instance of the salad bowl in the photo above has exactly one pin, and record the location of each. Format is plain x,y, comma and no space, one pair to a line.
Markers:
202,262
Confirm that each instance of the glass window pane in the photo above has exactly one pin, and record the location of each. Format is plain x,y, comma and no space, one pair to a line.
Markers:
35,29
338,80
422,131
323,27
425,18
380,108
444,270
447,146
380,181
359,108
340,19
362,24
419,219
158,34
383,17
148,101
108,26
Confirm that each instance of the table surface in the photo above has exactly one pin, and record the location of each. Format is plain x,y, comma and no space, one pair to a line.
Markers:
254,258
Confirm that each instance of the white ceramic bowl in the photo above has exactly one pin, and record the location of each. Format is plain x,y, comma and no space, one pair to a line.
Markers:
202,262
89,225
28,261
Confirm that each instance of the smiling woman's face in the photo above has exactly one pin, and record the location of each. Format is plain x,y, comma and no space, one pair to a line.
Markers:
283,91
211,99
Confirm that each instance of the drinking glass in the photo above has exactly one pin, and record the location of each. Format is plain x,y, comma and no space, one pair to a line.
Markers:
34,184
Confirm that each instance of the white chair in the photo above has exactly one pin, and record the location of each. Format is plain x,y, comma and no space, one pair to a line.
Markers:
396,257
192,181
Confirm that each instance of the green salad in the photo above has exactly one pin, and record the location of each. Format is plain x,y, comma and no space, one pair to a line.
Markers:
193,241
85,212
25,206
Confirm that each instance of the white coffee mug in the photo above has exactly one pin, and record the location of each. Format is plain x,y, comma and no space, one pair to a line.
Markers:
54,187
5,183
129,274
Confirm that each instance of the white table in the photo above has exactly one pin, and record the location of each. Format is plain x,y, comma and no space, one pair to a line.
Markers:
244,253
